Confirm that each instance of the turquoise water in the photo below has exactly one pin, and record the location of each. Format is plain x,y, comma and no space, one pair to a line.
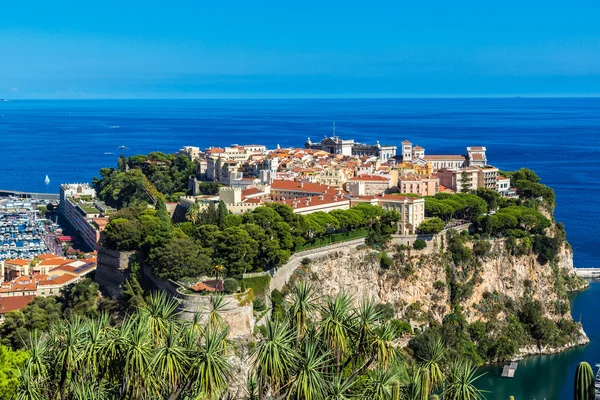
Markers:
551,377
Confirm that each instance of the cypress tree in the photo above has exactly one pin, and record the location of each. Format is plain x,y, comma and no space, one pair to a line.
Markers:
222,212
584,382
161,211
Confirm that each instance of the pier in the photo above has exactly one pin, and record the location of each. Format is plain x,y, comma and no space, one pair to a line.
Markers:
588,272
30,195
509,370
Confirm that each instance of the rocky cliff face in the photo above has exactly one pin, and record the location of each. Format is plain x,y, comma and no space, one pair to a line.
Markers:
417,282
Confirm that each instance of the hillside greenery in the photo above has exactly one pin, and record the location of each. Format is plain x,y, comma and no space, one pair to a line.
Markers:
258,240
142,179
313,348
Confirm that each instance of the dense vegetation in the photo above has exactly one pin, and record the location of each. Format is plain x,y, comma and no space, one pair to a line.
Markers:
143,179
506,324
522,221
315,348
255,241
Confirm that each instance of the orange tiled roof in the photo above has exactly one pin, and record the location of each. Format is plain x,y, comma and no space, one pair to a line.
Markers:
8,304
18,261
370,178
307,187
57,280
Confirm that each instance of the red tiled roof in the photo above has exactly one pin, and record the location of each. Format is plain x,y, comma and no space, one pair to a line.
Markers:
66,238
13,303
477,156
307,187
370,178
314,201
209,286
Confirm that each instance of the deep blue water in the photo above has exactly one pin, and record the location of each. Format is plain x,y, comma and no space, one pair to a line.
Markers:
558,138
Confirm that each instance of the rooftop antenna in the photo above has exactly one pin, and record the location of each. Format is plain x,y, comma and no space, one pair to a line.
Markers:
334,128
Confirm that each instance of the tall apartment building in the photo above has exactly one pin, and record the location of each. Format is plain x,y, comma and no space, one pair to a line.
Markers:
84,212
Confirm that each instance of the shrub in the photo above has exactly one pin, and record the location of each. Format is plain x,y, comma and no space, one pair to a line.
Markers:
230,285
386,311
277,304
419,244
258,305
439,285
385,261
482,248
400,327
305,261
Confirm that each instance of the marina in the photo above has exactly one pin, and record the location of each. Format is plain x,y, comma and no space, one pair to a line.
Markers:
23,232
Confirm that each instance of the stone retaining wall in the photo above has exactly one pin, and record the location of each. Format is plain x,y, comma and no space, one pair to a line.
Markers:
240,319
112,270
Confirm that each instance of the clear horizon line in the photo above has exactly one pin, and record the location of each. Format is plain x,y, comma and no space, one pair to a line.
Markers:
314,97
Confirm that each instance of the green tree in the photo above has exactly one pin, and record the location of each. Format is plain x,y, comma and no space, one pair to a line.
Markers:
122,234
161,211
81,298
465,182
222,213
10,363
178,258
431,225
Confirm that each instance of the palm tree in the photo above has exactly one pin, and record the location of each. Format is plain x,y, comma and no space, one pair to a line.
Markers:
382,384
431,367
339,388
210,371
193,213
302,304
274,356
161,311
65,339
336,323
171,359
219,271
218,304
29,389
310,381
461,382
137,379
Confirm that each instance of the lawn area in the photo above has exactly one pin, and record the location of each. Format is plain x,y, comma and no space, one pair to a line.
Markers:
259,285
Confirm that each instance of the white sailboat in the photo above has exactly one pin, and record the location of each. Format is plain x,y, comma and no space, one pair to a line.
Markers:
47,180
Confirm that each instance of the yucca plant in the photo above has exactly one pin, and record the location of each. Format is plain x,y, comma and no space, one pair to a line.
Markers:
301,306
584,382
460,384
431,367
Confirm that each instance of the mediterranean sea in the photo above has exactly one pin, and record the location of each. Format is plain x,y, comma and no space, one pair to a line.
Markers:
70,140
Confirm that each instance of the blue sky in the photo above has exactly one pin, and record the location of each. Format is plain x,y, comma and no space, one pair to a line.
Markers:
182,49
